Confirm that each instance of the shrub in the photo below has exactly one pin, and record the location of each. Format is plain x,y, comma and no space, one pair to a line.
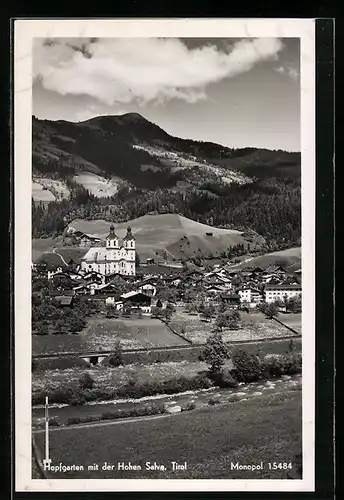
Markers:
248,367
272,366
54,422
86,381
190,405
223,378
74,420
214,400
289,363
116,359
292,363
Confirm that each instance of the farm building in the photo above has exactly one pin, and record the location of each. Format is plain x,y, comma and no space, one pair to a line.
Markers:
138,300
231,299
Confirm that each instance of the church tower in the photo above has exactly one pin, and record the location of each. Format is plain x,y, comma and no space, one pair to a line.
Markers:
112,239
129,245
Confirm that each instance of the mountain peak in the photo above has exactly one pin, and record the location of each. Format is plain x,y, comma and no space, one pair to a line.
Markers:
133,117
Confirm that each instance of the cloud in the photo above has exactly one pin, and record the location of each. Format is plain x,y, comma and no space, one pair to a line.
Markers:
289,71
143,70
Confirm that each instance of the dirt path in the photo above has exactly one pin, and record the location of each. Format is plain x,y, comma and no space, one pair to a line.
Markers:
56,253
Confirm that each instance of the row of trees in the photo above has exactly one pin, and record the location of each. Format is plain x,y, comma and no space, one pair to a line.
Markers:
272,210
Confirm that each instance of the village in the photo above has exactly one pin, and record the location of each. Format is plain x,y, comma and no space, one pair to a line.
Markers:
159,284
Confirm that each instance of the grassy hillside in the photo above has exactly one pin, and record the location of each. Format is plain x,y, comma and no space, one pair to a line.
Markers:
170,236
163,236
265,429
287,258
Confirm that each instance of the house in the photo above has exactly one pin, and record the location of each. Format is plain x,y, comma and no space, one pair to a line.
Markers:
148,287
232,300
63,299
88,240
138,301
279,292
117,304
273,274
215,289
250,294
51,274
94,277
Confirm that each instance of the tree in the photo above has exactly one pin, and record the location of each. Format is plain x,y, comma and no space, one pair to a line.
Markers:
63,282
137,260
111,311
116,359
86,381
206,313
215,352
247,365
228,319
293,304
127,309
270,309
168,312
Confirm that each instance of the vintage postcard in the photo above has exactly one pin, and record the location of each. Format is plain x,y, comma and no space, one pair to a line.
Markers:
164,254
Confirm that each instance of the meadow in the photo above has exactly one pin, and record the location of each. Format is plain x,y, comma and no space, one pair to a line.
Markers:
104,333
265,429
253,326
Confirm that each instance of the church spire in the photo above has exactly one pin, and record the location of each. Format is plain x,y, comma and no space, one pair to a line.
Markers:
112,235
129,235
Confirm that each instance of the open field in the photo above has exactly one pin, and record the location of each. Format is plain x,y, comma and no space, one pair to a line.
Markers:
46,189
265,429
288,258
254,326
96,184
104,333
42,245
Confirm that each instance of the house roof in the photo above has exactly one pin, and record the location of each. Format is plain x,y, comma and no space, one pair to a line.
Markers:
64,300
273,269
133,293
231,296
283,287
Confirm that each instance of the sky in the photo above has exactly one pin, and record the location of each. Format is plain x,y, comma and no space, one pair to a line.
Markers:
235,92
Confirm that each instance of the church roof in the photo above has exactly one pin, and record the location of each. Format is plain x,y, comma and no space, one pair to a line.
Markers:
112,235
129,235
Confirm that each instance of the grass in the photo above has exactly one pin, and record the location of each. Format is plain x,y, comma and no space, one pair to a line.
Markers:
254,326
96,184
162,356
208,439
111,378
103,334
166,232
289,257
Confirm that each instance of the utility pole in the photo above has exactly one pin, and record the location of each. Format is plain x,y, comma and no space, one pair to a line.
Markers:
47,460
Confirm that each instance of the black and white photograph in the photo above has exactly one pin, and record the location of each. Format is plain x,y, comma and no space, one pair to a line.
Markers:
165,177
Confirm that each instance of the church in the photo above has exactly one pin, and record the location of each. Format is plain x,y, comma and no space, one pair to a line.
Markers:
113,257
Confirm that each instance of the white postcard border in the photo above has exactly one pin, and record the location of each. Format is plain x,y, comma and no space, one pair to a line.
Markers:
24,32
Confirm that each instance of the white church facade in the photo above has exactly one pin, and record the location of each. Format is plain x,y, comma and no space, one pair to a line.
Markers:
115,257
